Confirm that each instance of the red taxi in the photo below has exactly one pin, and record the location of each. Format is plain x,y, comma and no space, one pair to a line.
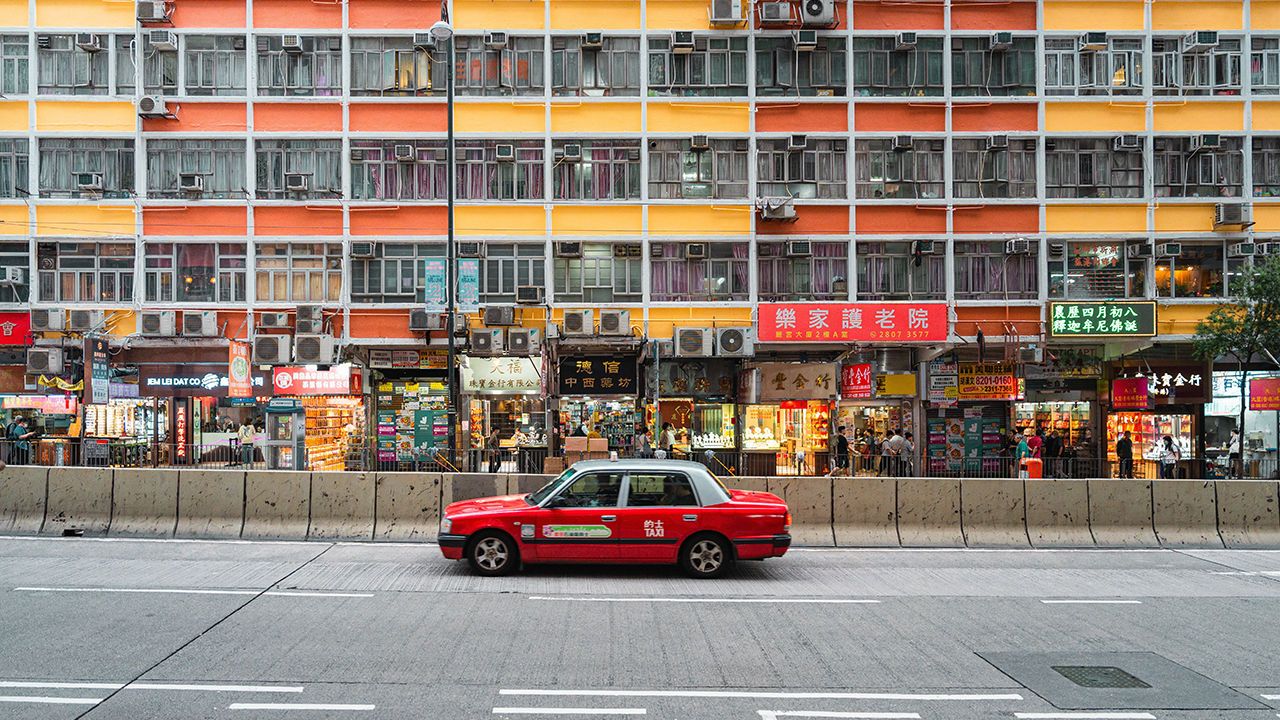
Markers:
628,511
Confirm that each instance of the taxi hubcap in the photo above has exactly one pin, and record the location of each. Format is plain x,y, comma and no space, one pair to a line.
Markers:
706,556
491,553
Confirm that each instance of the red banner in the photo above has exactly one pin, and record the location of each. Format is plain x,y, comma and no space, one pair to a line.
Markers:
855,381
14,328
852,322
301,381
239,373
1264,394
1130,394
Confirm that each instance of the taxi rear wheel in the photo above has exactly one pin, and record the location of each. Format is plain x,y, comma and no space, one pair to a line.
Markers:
492,553
706,556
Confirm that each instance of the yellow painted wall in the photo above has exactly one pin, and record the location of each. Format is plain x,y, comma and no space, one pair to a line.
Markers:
1266,217
595,117
500,117
13,13
724,219
594,15
13,116
699,117
1266,115
1184,218
664,320
1179,15
532,317
1199,117
86,14
1096,219
596,220
1264,15
14,220
1066,15
121,323
89,220
1181,318
680,14
67,116
495,14
500,220
1118,116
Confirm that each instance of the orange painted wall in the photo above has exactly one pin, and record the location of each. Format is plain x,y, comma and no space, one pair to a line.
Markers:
397,117
297,220
996,219
894,219
209,13
899,117
392,14
236,323
992,320
810,220
195,220
200,117
897,16
802,117
1016,15
296,14
286,117
988,117
403,220
380,324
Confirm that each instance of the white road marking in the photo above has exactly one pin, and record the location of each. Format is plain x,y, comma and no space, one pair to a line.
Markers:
766,601
298,706
775,714
567,711
763,694
1091,602
1271,697
149,686
1086,716
49,700
182,591
1250,573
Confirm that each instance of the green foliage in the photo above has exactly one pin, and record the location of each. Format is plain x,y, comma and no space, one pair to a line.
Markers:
1249,323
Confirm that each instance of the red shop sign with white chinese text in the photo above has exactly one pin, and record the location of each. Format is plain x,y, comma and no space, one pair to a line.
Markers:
855,381
1264,394
852,322
14,328
300,381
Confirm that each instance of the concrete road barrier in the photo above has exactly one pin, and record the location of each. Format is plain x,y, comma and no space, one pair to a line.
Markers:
1185,513
809,500
408,506
277,505
144,503
1058,513
22,496
469,486
929,512
525,484
342,506
78,499
864,511
210,504
1120,513
1247,516
750,484
993,513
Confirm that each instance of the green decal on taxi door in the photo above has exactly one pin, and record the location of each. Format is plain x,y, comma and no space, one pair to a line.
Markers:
576,531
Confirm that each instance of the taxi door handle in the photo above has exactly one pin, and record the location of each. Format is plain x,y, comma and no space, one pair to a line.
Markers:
608,518
691,518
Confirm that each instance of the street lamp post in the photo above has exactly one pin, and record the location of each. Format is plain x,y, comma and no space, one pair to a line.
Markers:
442,31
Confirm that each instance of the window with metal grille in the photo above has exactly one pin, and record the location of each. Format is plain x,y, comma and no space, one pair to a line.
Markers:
315,69
782,70
318,161
298,272
379,173
395,274
720,273
1264,65
817,171
976,69
885,169
1091,168
716,67
609,70
195,272
65,68
1095,269
220,164
516,69
984,171
599,275
1209,72
15,56
606,170
883,69
393,67
895,271
984,271
678,171
66,163
88,272
14,165
821,275
508,266
1069,70
216,65
483,176
1206,172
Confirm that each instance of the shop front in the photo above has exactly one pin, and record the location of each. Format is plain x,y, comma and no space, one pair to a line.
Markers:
1258,448
1061,396
55,417
1152,400
871,405
697,396
333,414
174,414
598,406
410,406
507,413
969,436
787,409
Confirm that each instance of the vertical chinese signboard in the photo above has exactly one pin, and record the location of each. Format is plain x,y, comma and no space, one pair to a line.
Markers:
97,376
1264,394
239,377
855,381
852,322
598,375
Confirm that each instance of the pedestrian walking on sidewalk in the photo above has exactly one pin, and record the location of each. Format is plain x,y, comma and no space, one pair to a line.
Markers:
1124,455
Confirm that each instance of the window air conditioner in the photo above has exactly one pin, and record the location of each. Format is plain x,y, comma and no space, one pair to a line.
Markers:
1242,250
272,349
152,11
529,295
291,43
424,41
1169,250
568,249
524,341
1139,250
274,320
1017,246
1001,41
699,143
1206,142
48,321
998,142
1199,41
495,315
775,13
315,349
615,322
695,251
693,342
363,250
682,42
1269,248
158,324
495,40
1093,42
163,40
799,248
924,247
505,152
579,322
902,143
88,42
406,153
191,183
571,152
471,249
1128,143
297,182
1238,214
15,275
805,40
200,323
906,41
89,182
45,361
797,142
592,41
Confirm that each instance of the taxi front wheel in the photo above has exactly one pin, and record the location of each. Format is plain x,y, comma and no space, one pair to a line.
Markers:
706,556
492,553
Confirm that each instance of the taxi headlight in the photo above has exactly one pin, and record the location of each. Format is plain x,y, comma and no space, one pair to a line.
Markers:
446,524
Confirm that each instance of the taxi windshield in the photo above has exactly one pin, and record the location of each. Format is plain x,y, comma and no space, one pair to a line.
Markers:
536,498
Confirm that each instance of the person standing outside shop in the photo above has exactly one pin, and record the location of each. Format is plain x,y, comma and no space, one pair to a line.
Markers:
19,436
1022,450
246,435
642,443
1053,454
841,465
897,443
492,446
1124,455
668,440
1036,443
1169,457
1234,447
908,456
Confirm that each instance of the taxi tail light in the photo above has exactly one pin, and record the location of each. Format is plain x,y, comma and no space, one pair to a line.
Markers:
786,527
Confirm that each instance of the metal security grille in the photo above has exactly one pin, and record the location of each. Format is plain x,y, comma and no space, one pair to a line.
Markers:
1099,676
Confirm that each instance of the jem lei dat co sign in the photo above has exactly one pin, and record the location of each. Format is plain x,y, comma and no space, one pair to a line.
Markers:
852,322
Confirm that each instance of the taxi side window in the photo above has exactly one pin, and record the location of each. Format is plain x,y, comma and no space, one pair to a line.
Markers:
591,491
660,490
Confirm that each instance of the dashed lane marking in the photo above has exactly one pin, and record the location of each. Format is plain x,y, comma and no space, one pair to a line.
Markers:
194,591
567,711
31,684
1086,716
767,695
300,706
746,601
1091,602
49,700
775,714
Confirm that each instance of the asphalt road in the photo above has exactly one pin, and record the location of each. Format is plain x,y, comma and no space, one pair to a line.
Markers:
171,629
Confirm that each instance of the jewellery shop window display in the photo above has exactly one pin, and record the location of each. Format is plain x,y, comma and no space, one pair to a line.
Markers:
791,434
335,422
1175,406
695,397
598,400
507,412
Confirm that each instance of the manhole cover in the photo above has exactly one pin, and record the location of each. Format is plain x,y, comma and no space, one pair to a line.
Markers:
1099,676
